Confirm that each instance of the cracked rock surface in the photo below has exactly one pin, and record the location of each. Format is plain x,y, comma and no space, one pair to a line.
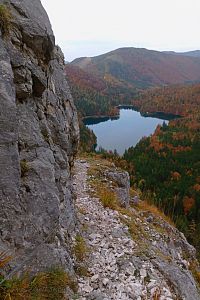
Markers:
122,267
38,141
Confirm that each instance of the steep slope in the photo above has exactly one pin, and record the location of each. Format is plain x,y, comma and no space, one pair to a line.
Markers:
38,140
95,95
142,68
133,253
89,92
166,164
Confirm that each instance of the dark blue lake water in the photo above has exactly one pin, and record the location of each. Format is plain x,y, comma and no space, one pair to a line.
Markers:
124,132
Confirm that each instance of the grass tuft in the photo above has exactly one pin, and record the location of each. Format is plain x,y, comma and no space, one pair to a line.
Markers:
45,135
24,167
194,268
80,248
82,271
5,20
4,259
144,205
108,198
49,285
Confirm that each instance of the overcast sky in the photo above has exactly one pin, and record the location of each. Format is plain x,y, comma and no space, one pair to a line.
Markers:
93,27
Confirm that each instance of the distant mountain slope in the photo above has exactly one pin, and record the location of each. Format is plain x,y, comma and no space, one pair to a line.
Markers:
142,68
195,53
95,95
89,92
85,79
180,99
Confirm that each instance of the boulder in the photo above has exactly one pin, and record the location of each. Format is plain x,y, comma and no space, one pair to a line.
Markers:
121,180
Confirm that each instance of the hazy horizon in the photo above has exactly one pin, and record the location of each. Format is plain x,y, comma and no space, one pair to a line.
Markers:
181,51
91,28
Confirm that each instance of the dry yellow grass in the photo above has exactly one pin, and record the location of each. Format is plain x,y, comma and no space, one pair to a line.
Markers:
52,285
5,20
4,259
144,205
156,294
82,211
108,198
49,285
80,248
24,167
194,268
82,271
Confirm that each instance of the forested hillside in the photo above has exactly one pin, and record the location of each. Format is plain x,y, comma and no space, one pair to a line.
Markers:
166,165
101,83
94,95
179,100
142,68
86,89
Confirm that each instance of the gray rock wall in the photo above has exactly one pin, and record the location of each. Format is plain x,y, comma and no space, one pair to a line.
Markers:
121,181
38,141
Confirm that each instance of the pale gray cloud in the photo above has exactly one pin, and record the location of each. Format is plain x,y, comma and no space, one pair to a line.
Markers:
91,27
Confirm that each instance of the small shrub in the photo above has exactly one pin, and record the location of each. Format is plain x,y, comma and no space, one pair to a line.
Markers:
80,248
197,276
45,285
82,271
195,270
82,211
24,167
156,294
84,227
16,288
132,228
4,259
108,198
5,20
144,205
49,285
45,134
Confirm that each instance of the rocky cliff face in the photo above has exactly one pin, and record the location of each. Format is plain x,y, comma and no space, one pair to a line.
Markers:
38,140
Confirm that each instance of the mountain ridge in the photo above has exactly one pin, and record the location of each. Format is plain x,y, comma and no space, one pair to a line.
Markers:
102,82
185,53
143,68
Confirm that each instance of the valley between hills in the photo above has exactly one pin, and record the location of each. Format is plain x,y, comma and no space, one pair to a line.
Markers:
165,165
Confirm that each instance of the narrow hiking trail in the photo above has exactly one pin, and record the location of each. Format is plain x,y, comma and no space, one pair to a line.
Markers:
116,269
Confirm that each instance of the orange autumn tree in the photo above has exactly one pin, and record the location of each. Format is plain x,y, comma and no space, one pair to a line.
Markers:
196,187
188,203
175,175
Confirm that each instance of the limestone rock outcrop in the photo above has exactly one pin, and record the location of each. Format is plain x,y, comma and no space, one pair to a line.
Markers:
121,181
38,141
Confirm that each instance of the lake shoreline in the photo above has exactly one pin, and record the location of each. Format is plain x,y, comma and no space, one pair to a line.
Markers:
124,131
156,114
95,119
86,120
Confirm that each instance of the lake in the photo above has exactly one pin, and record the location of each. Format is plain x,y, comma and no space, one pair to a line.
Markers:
123,132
